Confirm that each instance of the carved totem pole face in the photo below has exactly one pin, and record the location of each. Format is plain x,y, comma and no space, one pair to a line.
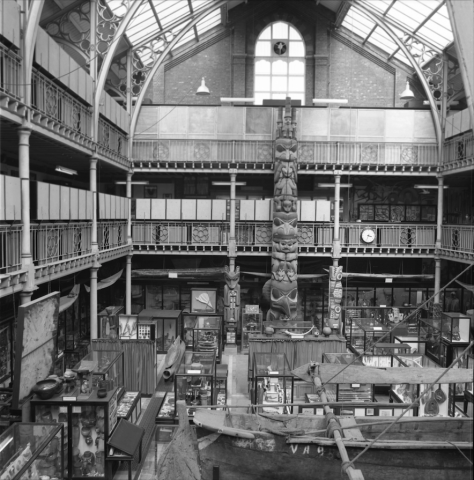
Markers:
284,286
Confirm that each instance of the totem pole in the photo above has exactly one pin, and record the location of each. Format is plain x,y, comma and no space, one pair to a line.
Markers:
283,283
335,297
231,301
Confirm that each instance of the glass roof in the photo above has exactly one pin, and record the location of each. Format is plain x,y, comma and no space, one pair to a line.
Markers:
425,21
154,16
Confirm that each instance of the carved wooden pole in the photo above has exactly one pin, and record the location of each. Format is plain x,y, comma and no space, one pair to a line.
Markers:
283,283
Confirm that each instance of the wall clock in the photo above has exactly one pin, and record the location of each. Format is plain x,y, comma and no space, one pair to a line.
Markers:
367,235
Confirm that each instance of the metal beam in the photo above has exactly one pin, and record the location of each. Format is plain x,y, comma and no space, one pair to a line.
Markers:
197,18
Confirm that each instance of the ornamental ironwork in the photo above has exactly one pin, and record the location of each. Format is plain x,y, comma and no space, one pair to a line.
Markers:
108,23
161,151
263,234
51,101
407,236
306,235
77,240
52,242
76,117
409,155
106,237
200,234
159,233
202,152
306,153
369,153
105,135
265,152
455,239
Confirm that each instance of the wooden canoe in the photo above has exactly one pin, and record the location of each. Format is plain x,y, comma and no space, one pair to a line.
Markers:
173,357
425,448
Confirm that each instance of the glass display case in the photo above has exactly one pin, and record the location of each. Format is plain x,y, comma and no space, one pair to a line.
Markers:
388,316
350,392
416,345
6,351
468,389
166,413
222,372
194,381
130,406
87,426
251,323
273,382
429,330
203,333
455,327
108,322
106,367
32,451
391,348
362,333
163,326
435,403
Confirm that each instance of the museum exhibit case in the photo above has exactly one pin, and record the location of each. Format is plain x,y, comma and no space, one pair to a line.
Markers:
272,382
32,451
468,387
435,402
455,327
391,348
363,333
194,380
416,345
251,323
106,369
88,422
166,412
222,372
388,316
130,406
108,322
203,333
163,326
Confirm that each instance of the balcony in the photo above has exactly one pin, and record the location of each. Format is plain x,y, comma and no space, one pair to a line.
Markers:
177,155
457,241
459,153
58,249
10,79
256,238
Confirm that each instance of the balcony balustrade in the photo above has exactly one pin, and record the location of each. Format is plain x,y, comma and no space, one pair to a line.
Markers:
10,78
459,151
161,152
458,239
113,142
10,248
111,235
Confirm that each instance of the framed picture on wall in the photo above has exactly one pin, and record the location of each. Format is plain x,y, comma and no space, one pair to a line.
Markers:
203,300
366,213
150,191
128,327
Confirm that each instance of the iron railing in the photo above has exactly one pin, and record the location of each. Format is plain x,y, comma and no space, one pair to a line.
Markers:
111,234
51,100
243,151
10,248
112,139
458,149
260,234
52,242
10,73
458,238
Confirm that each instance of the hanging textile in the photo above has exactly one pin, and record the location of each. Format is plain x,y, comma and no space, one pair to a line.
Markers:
466,286
106,282
66,301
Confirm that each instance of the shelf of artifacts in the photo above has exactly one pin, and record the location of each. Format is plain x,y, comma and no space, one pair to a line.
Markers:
272,382
363,333
437,402
31,451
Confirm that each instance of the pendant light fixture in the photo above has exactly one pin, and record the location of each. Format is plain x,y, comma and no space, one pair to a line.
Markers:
407,94
202,90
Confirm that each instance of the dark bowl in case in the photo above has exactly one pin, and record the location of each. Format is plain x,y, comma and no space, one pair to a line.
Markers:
46,389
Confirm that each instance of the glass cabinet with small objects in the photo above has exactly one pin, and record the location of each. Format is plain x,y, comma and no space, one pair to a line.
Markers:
221,385
130,406
363,333
207,335
32,451
251,323
273,382
106,367
194,381
87,426
456,327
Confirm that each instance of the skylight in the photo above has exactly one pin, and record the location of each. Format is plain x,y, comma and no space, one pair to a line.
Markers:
154,16
426,22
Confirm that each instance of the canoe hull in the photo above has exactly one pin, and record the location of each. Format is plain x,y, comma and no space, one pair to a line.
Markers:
270,457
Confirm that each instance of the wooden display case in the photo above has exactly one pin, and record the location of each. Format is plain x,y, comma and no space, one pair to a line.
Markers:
87,425
31,451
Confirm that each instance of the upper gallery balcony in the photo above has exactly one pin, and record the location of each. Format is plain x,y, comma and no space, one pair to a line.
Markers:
178,138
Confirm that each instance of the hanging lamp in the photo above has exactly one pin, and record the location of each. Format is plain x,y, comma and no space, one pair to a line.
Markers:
407,94
202,90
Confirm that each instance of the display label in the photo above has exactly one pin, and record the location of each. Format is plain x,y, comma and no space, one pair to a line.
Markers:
307,411
319,411
377,328
252,309
76,409
383,306
355,385
172,275
194,371
274,373
389,280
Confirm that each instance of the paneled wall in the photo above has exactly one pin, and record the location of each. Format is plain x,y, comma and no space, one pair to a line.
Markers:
10,21
218,210
114,112
56,202
112,207
10,198
259,123
458,123
56,61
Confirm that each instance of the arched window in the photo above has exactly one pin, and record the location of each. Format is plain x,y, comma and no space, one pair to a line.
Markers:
279,64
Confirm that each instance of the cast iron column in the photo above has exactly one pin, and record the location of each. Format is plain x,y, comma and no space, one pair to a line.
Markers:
93,189
336,249
232,245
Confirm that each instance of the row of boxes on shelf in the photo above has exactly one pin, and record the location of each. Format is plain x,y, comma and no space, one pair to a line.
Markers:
199,381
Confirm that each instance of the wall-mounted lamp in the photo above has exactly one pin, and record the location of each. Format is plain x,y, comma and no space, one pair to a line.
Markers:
202,89
133,183
331,185
428,187
407,94
69,171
